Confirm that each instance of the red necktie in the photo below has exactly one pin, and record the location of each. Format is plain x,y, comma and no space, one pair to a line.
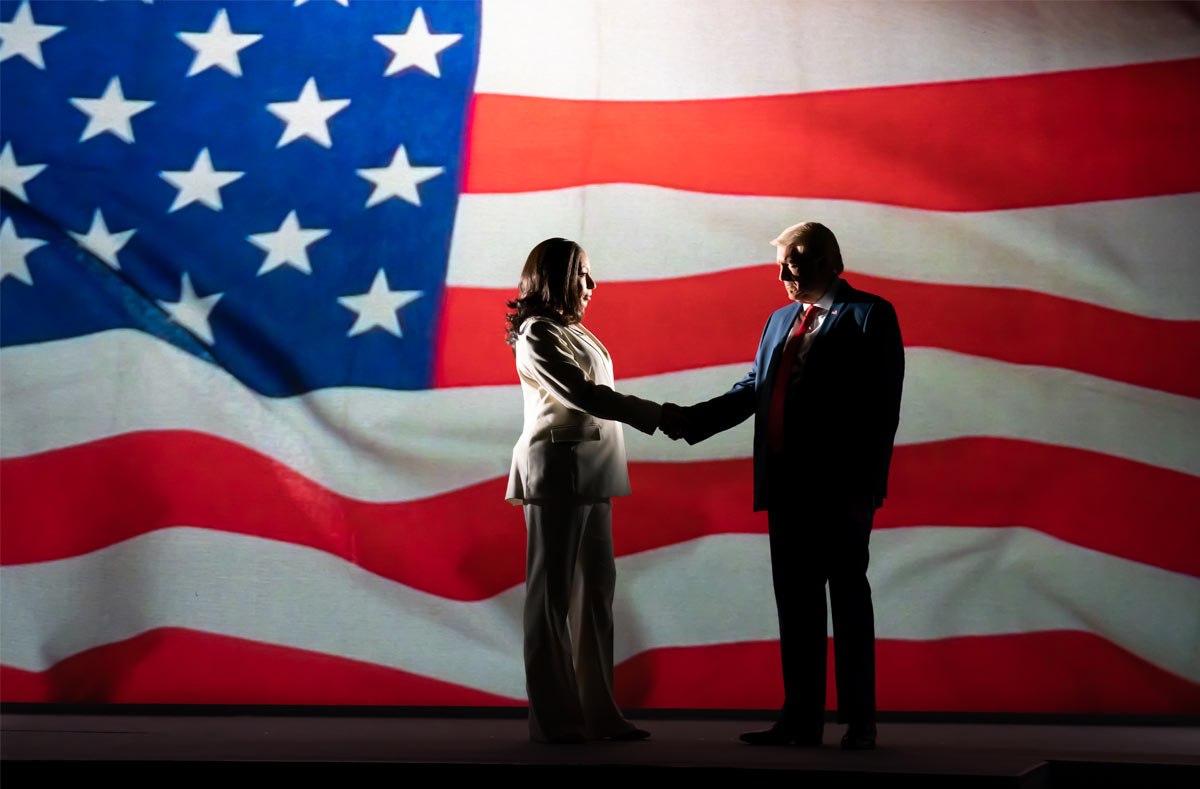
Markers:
784,376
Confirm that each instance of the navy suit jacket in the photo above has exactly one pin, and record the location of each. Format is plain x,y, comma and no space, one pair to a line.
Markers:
841,416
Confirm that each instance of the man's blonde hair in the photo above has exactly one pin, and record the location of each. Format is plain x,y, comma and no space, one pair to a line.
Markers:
815,238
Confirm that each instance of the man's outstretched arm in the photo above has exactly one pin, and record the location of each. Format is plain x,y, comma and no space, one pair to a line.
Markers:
721,412
697,422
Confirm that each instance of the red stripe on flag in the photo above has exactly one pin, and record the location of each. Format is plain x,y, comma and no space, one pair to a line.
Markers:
995,673
182,666
1010,142
1101,502
71,501
659,326
1001,673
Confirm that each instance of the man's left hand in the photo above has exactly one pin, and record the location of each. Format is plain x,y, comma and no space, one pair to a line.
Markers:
862,508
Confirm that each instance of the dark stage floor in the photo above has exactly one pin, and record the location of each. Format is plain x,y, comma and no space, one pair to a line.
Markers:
250,747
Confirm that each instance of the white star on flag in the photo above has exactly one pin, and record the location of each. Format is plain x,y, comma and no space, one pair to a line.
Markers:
377,307
342,3
307,116
110,113
287,245
199,183
13,249
416,47
22,36
192,311
218,47
100,242
398,179
13,176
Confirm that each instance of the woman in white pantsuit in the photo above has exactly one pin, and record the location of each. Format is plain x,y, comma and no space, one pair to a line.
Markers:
566,466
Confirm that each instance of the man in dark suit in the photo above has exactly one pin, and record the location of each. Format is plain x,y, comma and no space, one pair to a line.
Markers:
825,394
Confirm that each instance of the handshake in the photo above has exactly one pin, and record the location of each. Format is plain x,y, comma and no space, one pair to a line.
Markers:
674,421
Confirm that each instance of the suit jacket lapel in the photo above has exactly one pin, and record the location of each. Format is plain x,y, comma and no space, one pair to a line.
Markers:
595,341
835,309
591,339
778,341
793,310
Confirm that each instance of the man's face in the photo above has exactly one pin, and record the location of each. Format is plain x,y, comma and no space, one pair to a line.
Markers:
805,275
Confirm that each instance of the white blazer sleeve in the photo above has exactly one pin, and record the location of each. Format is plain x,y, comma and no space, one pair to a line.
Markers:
548,360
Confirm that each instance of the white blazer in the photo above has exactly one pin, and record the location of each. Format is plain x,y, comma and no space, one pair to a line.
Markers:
571,446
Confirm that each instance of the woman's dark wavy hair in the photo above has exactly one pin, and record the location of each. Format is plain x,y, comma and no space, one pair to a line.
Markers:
549,286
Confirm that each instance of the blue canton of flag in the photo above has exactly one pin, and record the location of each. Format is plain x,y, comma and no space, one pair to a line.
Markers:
271,186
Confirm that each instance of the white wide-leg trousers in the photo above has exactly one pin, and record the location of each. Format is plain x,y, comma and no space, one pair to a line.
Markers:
570,577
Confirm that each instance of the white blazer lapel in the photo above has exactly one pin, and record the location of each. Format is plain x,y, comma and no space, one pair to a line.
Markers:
600,351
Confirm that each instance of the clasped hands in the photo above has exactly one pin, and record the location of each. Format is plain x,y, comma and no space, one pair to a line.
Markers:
674,421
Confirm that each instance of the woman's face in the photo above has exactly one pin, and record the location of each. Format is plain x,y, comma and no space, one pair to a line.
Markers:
586,284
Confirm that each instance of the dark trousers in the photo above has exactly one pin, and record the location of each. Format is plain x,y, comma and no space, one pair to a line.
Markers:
809,547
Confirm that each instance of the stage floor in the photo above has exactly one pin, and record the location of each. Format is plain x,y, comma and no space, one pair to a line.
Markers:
991,754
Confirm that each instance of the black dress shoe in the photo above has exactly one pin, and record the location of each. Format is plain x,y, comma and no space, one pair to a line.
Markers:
782,735
859,738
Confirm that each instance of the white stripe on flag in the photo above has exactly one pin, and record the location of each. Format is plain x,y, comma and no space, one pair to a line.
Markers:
698,49
384,446
1007,580
1137,256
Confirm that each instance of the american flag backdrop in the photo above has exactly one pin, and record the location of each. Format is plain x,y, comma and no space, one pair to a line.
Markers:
257,413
